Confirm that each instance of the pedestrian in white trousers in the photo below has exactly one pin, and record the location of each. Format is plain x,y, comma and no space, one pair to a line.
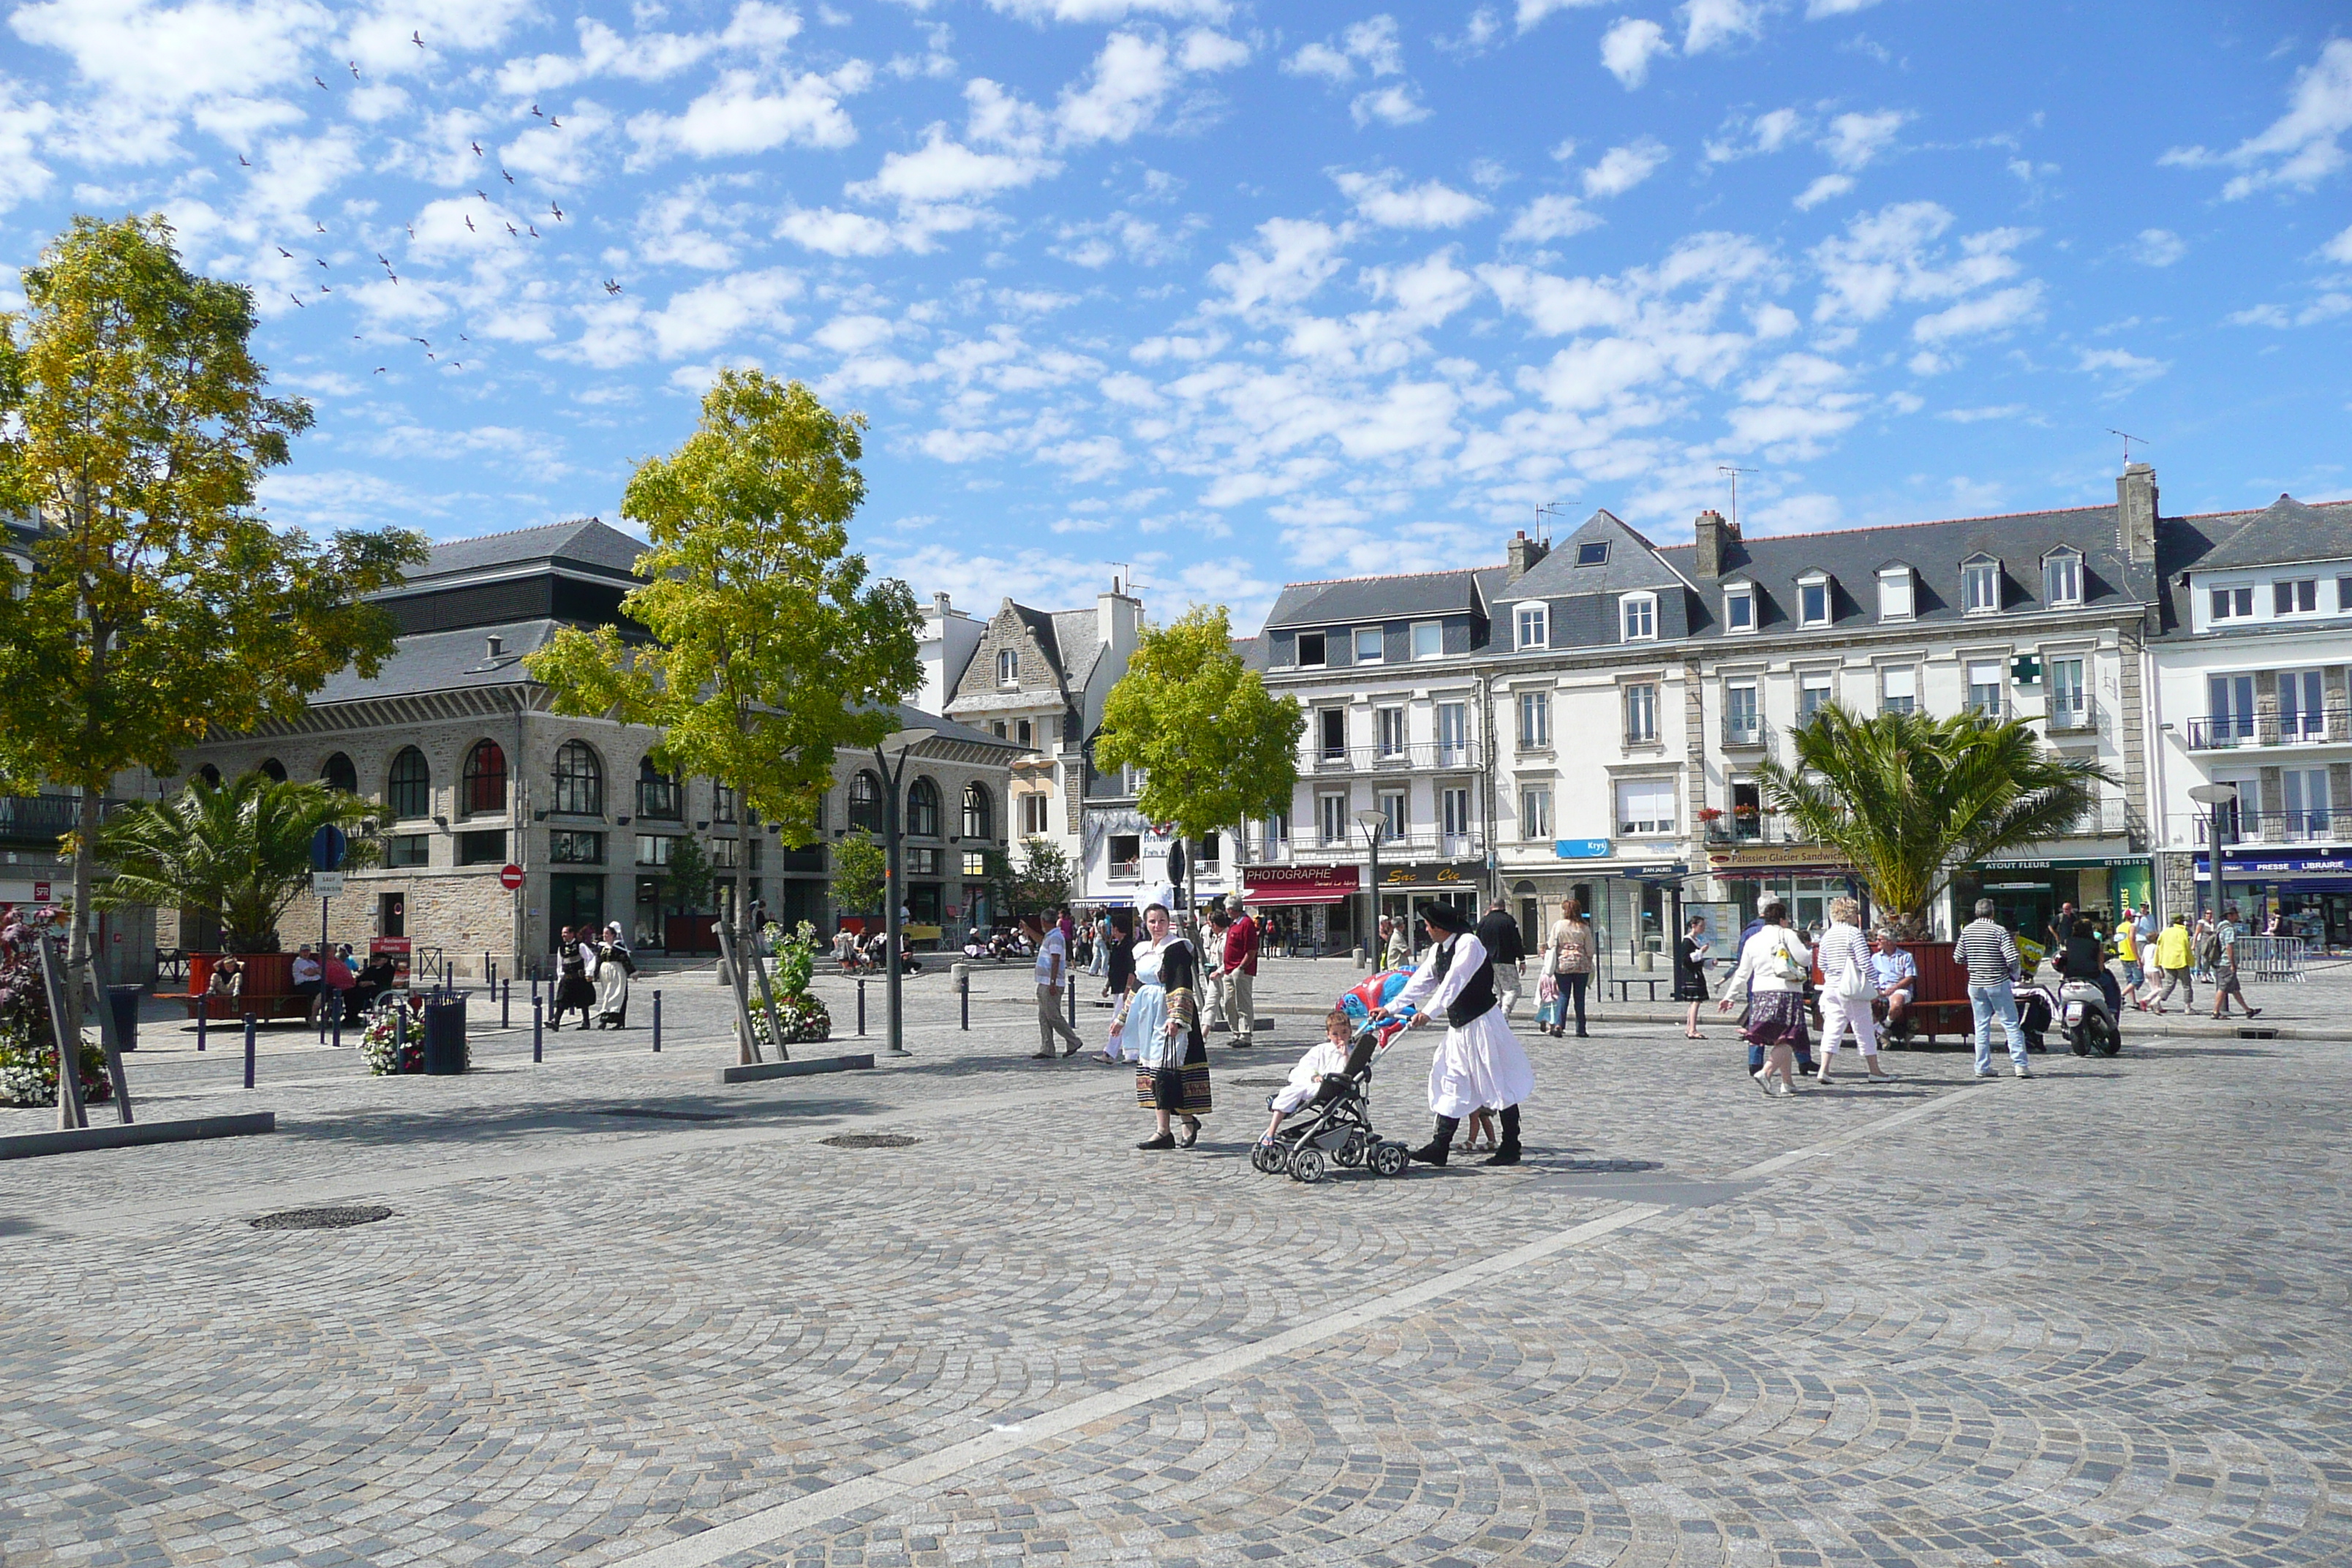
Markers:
1849,985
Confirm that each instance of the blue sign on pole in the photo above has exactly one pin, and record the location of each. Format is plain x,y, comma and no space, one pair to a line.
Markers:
326,847
1581,849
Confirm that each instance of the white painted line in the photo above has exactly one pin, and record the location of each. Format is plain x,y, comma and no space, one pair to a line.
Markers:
766,1525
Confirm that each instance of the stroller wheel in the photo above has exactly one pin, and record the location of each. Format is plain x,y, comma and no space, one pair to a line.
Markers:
1388,1159
1266,1158
1307,1164
1351,1152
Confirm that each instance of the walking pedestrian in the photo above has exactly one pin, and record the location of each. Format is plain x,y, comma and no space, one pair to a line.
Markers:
2225,966
2202,945
2127,954
2176,958
574,962
1774,966
1164,1024
1212,968
1400,943
1052,968
1849,986
1988,952
1098,957
1241,971
1690,972
1480,1063
1568,958
614,965
1499,933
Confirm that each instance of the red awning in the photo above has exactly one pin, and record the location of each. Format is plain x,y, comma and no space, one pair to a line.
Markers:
1270,898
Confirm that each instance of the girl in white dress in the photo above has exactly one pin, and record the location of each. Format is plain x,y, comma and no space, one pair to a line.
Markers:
1163,1028
1480,1063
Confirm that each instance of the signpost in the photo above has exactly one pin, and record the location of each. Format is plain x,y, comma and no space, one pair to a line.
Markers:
510,877
328,848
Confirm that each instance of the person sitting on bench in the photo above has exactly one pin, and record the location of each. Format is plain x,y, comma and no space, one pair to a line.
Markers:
1897,974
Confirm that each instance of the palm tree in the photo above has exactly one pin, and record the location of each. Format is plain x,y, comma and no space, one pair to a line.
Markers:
237,853
1907,798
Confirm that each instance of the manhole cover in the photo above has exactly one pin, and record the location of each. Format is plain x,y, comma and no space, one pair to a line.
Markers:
868,1141
665,1115
340,1217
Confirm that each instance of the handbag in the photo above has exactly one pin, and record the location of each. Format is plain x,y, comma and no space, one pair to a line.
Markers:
1792,969
1855,984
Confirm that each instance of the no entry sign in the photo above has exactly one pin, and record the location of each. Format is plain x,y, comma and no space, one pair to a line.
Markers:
511,876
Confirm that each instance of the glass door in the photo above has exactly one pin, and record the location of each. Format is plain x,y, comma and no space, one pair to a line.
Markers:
2230,708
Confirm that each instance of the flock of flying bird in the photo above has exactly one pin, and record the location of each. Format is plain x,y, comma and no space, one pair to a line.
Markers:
612,286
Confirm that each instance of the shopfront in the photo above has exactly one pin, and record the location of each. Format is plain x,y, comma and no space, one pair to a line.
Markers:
1804,877
2310,894
1309,908
1407,890
2027,894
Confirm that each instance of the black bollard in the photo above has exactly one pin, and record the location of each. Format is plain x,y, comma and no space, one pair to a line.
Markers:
538,1020
1073,981
964,985
249,1050
506,1005
656,1022
204,1011
335,1021
861,1008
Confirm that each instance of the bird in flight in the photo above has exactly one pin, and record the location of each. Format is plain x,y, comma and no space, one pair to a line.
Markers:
411,228
484,195
464,339
557,211
512,230
317,224
355,68
430,354
555,122
417,39
241,161
534,108
290,255
426,342
326,288
322,86
610,287
382,259
456,364
298,301
377,371
469,225
478,148
319,260
534,230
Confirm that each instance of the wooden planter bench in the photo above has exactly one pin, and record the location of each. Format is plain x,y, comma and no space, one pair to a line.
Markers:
267,992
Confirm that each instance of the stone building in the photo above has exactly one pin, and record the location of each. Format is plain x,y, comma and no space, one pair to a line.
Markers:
476,772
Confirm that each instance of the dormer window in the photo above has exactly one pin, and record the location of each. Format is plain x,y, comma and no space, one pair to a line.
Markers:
1980,585
1896,602
1008,667
1368,644
1813,599
1533,625
1429,639
2061,578
1638,615
1592,553
1310,650
1739,608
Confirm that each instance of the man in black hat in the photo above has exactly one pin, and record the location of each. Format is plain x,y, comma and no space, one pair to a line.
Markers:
1480,1064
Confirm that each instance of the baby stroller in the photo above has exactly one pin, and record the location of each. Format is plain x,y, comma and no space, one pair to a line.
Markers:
1336,1126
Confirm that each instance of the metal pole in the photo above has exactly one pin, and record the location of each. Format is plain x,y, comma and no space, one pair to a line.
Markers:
249,1050
656,1023
506,1005
894,891
861,1005
335,1016
537,1023
1372,926
2217,862
204,1011
963,988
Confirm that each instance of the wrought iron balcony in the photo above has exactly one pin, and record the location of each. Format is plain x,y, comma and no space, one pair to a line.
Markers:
1742,734
2074,717
44,818
2308,727
1430,756
2276,826
1753,828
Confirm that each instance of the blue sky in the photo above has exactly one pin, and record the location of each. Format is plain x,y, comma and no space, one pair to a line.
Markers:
1240,295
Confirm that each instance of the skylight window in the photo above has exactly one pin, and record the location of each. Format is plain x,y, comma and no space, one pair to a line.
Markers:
1592,553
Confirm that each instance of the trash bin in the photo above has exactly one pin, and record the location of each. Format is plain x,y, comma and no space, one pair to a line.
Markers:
444,1035
124,1000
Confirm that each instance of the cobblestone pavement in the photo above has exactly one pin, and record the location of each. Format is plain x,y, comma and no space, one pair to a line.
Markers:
621,1315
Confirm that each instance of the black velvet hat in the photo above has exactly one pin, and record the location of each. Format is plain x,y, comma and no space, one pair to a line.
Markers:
1445,917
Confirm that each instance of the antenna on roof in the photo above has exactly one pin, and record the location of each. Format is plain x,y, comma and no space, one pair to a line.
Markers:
1126,573
2128,439
1733,474
1549,508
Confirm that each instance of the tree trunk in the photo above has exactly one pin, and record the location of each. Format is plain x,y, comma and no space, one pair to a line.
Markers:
84,874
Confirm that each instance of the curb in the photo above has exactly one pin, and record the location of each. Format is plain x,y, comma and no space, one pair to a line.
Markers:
68,1141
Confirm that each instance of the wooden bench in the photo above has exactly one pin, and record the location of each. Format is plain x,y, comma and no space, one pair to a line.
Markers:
1939,1006
267,991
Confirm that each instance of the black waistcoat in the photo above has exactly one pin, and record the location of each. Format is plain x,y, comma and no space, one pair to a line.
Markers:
1475,998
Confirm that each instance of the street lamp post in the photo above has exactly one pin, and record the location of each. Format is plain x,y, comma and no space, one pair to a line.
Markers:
2213,797
893,879
1373,821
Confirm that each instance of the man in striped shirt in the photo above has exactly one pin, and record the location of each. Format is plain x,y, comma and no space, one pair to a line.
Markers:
1990,953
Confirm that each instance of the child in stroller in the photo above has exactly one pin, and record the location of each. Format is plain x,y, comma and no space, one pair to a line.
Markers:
1331,1085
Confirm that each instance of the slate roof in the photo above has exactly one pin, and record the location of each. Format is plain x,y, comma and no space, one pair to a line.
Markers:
589,542
2287,530
1634,564
1852,557
911,716
425,662
1079,634
1368,599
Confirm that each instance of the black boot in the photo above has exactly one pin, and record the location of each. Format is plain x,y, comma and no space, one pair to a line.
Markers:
1508,1154
1434,1151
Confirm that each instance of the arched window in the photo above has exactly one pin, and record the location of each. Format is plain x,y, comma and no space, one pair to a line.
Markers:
579,781
659,795
337,773
923,809
410,789
482,783
210,774
977,811
866,802
273,770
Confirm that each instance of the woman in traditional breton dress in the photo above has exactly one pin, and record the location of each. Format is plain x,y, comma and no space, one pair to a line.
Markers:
614,964
576,959
1163,1027
1480,1064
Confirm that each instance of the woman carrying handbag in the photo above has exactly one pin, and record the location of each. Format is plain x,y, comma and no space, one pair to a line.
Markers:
1568,960
1849,985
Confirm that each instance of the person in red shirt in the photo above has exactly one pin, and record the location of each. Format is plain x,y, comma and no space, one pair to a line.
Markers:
1240,977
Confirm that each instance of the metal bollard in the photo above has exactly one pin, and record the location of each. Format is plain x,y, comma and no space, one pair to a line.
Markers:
506,1005
861,1006
656,1023
336,1022
249,1050
537,1021
964,985
204,1011
1072,989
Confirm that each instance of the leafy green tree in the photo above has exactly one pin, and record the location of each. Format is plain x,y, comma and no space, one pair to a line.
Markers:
134,426
1907,798
860,869
772,650
1036,886
1214,745
238,853
689,877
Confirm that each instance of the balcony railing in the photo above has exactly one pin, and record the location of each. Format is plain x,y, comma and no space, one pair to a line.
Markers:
40,818
1126,870
2067,716
1381,759
1427,841
2104,819
1745,733
1754,828
2276,826
2310,727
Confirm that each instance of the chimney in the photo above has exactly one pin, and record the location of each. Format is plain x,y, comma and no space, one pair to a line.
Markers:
1116,621
941,609
1714,534
1523,553
498,646
2136,513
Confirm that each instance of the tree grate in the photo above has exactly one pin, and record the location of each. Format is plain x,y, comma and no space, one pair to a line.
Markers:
340,1217
868,1141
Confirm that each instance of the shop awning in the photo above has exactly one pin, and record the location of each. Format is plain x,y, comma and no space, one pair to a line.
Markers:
1289,896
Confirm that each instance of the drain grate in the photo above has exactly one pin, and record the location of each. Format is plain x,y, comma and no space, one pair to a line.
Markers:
868,1141
340,1217
652,1115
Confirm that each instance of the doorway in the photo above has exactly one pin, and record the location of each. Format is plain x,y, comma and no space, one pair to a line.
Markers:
392,914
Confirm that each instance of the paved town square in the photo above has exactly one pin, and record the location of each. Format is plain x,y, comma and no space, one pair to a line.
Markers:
622,1315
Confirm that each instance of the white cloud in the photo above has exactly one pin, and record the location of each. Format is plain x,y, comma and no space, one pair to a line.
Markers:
380,38
1623,168
2158,248
1130,79
1827,188
2325,308
160,57
22,175
1993,312
944,169
2129,370
1430,205
1550,217
1628,47
1766,134
741,115
1894,256
757,29
1718,24
1370,45
2300,147
2340,248
1086,12
1393,105
1292,259
1817,9
1533,11
1979,415
1855,139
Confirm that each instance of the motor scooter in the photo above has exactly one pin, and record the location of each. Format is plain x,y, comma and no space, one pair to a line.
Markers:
2077,1009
